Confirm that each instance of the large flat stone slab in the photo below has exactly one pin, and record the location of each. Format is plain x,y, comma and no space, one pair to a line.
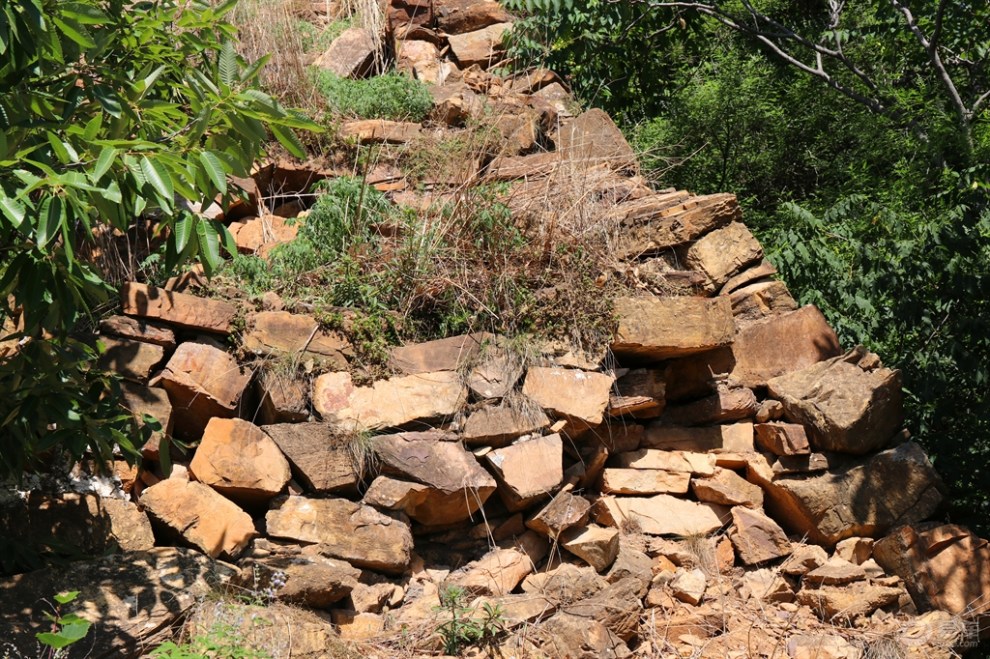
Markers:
580,397
283,334
237,459
651,329
667,515
322,460
181,309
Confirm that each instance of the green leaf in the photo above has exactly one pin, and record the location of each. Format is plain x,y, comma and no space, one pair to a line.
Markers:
66,597
183,230
109,99
103,163
288,139
209,244
75,32
93,128
228,64
50,219
213,167
159,179
12,209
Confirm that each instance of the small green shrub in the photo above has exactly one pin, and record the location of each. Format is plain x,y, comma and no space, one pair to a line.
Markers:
67,628
315,39
464,630
388,96
221,641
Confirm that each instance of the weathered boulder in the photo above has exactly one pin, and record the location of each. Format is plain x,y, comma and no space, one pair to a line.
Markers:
138,329
343,529
499,571
450,354
564,511
765,584
595,545
640,394
655,224
717,439
700,464
284,398
651,329
274,630
783,438
393,403
280,333
380,131
314,582
592,138
689,586
528,471
479,47
618,606
134,360
756,537
197,515
140,400
188,311
578,396
864,498
803,559
726,404
578,637
496,372
835,571
727,488
457,485
132,600
459,16
421,59
843,407
238,460
498,426
847,603
351,55
698,375
644,481
855,550
662,515
723,253
944,567
783,344
202,382
324,461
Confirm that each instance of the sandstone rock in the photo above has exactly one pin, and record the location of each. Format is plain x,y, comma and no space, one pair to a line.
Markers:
519,609
134,360
351,55
322,460
374,598
726,438
237,459
675,221
760,271
496,373
592,137
188,311
459,16
700,464
419,58
129,526
631,562
138,329
405,15
943,567
279,333
110,587
139,401
727,488
199,516
458,484
803,559
765,584
770,410
667,515
498,426
639,394
499,571
578,396
380,131
865,498
393,494
312,583
725,405
393,403
651,329
616,437
756,537
843,407
855,550
723,253
838,604
450,354
565,583
202,382
480,47
783,438
595,545
284,398
644,481
835,572
802,464
350,531
354,626
689,586
761,300
275,630
257,235
563,512
528,471
821,646
577,637
783,344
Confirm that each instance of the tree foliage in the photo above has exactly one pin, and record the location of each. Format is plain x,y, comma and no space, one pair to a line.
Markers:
111,111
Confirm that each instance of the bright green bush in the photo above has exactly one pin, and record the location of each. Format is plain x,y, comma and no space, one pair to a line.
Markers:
389,96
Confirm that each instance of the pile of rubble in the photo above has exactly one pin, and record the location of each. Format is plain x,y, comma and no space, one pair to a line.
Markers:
725,481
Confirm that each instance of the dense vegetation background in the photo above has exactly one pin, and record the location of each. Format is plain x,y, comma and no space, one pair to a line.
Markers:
857,137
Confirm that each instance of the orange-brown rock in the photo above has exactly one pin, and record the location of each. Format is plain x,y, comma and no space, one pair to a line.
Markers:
457,485
284,398
380,131
783,438
138,329
699,464
943,566
756,537
140,401
638,394
761,300
134,360
343,529
394,403
661,515
279,333
498,426
315,582
650,227
596,545
855,550
782,344
698,375
202,382
844,408
199,516
322,460
723,253
180,309
450,354
237,459
651,329
715,439
459,16
351,55
578,396
592,138
847,603
564,511
253,235
727,488
727,404
644,481
528,471
480,47
835,571
499,571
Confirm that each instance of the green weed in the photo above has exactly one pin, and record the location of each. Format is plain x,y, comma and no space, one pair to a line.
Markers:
388,96
464,630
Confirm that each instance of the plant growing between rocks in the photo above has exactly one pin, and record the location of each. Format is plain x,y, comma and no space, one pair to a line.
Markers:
464,630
